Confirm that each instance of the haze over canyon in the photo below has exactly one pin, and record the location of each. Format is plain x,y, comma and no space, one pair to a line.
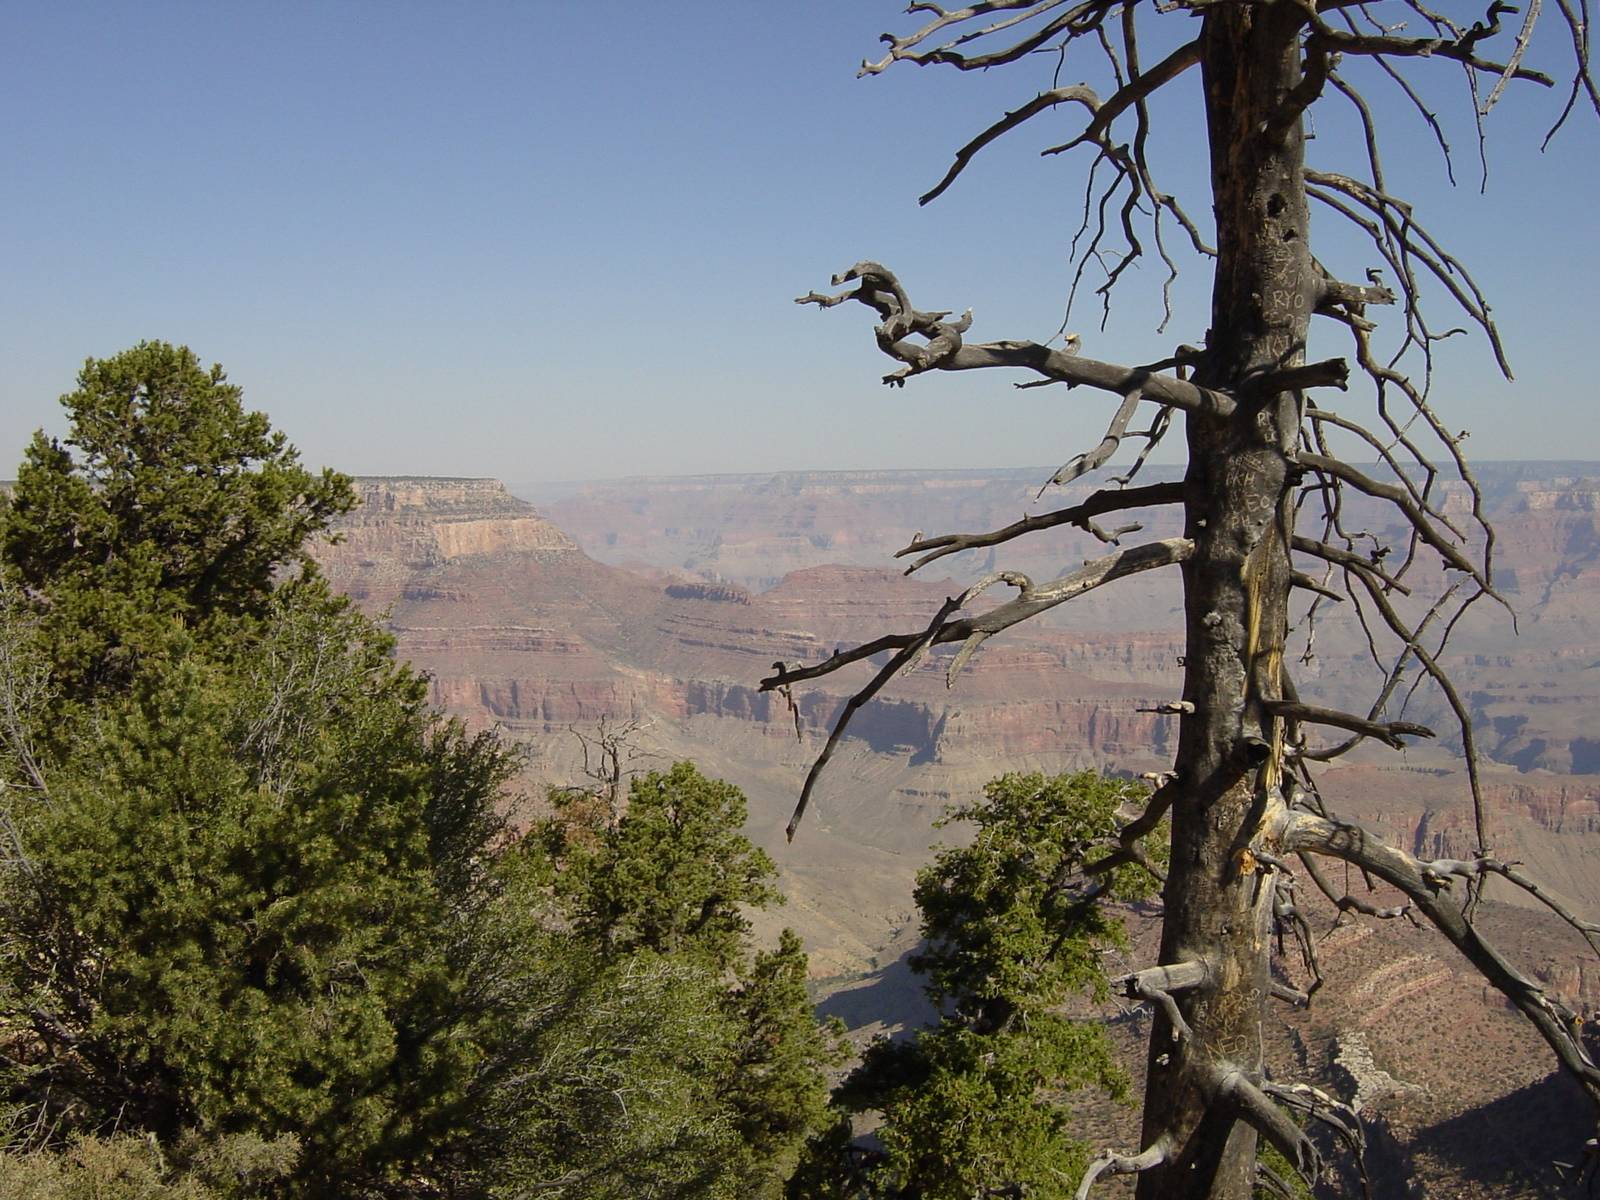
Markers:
662,602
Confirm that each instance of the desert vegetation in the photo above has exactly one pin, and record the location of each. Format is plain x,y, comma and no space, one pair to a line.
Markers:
266,929
276,922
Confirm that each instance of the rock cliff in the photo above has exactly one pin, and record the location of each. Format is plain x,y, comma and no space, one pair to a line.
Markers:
519,625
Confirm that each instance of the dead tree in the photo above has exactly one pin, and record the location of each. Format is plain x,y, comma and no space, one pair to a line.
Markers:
1250,399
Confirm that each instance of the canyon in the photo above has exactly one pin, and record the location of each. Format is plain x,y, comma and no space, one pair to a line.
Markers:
657,605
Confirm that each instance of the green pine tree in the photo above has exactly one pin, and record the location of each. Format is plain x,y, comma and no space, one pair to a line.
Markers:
167,506
654,891
668,873
259,909
1014,924
774,1081
238,910
245,854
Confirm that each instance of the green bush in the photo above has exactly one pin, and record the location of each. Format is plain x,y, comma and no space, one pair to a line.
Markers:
263,931
126,1167
1014,925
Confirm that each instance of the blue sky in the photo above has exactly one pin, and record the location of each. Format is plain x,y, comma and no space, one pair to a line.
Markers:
551,241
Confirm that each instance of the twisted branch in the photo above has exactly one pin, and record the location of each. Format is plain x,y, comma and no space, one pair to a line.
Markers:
1109,1162
1031,600
882,291
1156,985
1427,885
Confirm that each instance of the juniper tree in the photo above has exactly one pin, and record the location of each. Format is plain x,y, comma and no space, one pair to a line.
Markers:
1013,930
669,872
682,1064
1262,496
168,505
260,906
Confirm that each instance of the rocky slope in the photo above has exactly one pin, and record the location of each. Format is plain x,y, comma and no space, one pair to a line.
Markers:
518,624
1533,692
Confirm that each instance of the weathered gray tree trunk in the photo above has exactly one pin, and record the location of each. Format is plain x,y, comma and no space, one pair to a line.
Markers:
1255,449
1239,515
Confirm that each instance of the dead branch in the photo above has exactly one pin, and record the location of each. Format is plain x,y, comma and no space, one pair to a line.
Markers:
1136,92
1077,21
1152,438
1386,455
1127,851
1091,460
1293,997
1047,100
889,670
1156,985
1391,680
1577,19
1044,101
1387,732
1459,50
1132,164
1125,856
926,341
1301,580
882,291
1336,292
1430,117
1251,1105
1332,372
1345,902
1286,913
1509,872
1414,513
1031,601
1385,377
1349,560
1427,885
1109,1162
610,752
1275,1185
1529,19
1369,580
24,688
1117,565
1396,235
1317,1105
1154,809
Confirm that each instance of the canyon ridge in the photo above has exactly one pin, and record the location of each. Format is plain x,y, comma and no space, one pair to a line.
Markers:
657,605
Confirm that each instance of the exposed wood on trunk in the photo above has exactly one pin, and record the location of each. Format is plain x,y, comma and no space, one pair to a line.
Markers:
1236,588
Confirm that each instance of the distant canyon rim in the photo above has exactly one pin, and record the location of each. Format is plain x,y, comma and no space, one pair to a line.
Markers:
664,601
660,604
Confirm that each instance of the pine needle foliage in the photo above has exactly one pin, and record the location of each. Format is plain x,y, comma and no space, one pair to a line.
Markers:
1014,925
654,889
168,504
241,849
264,934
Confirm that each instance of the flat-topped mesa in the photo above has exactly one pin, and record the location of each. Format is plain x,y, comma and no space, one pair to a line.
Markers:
408,525
1561,495
421,521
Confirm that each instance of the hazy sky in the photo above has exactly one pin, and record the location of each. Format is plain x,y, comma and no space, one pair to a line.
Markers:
556,240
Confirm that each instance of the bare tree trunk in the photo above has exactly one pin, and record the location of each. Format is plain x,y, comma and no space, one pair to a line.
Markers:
1256,447
1239,516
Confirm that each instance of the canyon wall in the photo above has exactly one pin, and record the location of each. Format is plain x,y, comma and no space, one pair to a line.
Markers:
662,603
519,623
